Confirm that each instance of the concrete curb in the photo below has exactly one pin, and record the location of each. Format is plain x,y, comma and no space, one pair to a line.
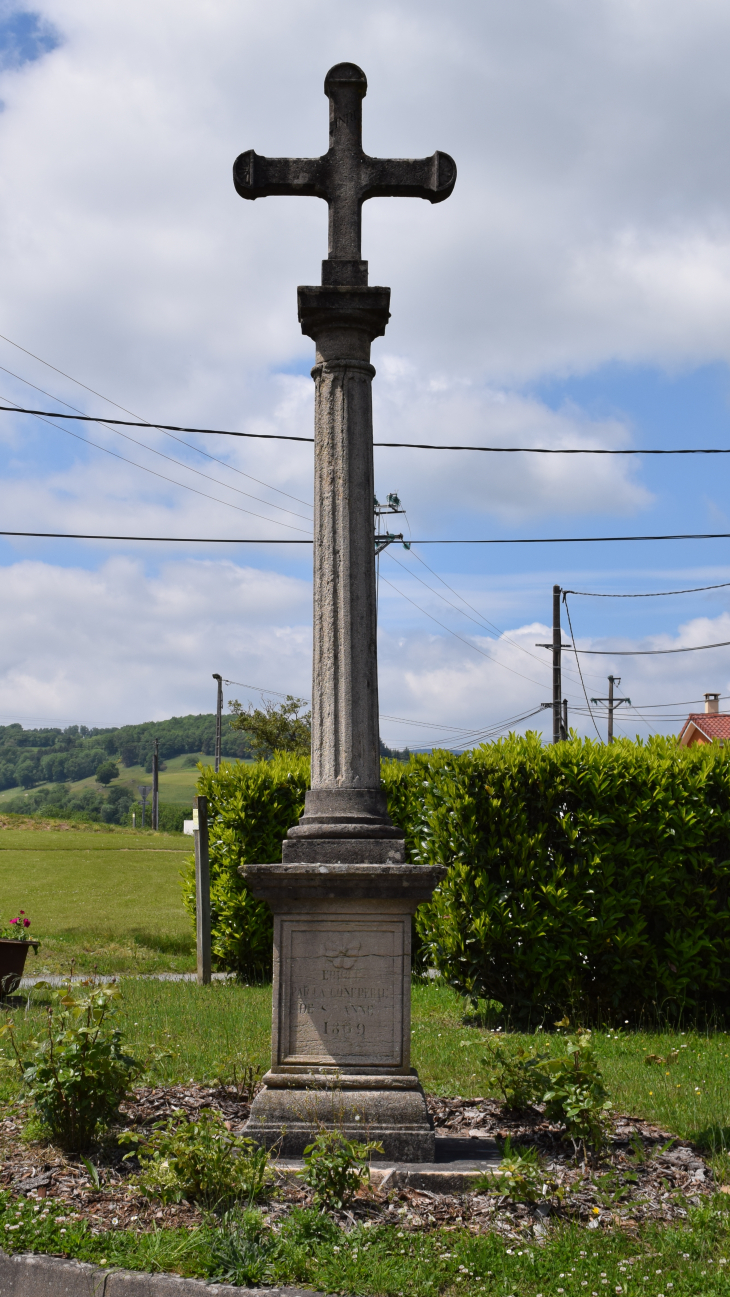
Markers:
30,1274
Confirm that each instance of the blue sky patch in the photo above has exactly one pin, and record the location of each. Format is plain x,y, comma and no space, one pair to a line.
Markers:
24,37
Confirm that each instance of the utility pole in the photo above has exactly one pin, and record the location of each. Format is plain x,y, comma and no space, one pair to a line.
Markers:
557,671
156,785
612,702
559,704
218,712
383,540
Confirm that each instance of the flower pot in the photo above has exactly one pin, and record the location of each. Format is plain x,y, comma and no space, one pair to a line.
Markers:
12,963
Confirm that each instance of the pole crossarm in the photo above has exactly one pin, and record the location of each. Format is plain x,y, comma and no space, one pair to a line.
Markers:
345,176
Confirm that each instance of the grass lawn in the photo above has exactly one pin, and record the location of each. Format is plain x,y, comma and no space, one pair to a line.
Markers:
111,898
690,1097
106,899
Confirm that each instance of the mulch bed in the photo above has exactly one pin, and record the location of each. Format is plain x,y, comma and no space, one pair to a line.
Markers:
644,1175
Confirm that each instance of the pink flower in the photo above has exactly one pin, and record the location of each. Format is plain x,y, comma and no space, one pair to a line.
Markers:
13,920
22,911
26,922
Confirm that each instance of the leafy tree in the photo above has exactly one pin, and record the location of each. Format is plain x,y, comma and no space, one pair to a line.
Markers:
106,772
26,772
275,727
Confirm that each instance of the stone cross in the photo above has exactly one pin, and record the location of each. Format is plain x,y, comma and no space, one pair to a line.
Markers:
343,894
345,176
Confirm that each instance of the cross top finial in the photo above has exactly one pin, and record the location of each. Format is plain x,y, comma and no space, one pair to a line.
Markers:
345,176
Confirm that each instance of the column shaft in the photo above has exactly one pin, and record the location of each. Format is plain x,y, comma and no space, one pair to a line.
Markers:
345,737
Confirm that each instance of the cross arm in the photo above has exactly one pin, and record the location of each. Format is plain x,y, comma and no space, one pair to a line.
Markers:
432,178
257,177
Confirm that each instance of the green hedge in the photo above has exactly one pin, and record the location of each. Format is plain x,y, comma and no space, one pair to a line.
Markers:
250,808
582,878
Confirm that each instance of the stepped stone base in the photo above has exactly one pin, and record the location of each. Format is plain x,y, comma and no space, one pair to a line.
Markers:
287,1118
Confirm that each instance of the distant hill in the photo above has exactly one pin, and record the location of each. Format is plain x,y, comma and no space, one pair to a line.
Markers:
30,757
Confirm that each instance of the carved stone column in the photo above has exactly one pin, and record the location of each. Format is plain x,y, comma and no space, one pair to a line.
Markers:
343,898
345,817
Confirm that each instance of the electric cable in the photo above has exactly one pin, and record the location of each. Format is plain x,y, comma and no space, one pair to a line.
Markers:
580,672
107,422
164,478
187,467
182,540
651,594
235,540
625,653
502,635
431,725
391,445
468,643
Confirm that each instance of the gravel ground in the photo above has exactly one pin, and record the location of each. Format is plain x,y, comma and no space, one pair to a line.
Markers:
645,1173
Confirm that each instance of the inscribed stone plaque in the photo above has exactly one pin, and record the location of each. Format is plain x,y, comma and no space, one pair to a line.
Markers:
342,991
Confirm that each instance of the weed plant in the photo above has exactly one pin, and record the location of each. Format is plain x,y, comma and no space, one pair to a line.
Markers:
336,1167
76,1072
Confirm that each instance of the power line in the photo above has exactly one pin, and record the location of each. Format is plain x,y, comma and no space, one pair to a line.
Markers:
578,540
391,445
183,485
549,450
236,540
405,720
107,422
484,620
651,594
183,540
624,653
580,672
468,643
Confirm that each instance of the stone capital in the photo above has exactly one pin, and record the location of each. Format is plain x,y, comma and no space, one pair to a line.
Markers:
329,310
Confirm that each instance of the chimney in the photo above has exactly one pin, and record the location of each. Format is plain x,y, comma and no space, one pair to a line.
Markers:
712,703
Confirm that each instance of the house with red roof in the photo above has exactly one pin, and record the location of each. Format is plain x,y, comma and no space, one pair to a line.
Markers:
704,727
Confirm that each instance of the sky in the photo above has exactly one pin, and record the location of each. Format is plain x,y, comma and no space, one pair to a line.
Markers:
574,291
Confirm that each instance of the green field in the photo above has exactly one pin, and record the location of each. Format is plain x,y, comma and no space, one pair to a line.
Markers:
110,900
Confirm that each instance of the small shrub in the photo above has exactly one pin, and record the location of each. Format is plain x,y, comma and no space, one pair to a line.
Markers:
336,1167
520,1176
243,1249
199,1160
576,1095
516,1074
77,1074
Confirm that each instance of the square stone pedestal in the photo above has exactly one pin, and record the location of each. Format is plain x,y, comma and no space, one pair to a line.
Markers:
341,1023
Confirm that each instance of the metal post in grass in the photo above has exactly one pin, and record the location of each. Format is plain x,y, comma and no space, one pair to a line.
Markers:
156,785
202,888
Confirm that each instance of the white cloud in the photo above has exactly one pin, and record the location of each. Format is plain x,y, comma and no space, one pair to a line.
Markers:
117,645
589,223
589,220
